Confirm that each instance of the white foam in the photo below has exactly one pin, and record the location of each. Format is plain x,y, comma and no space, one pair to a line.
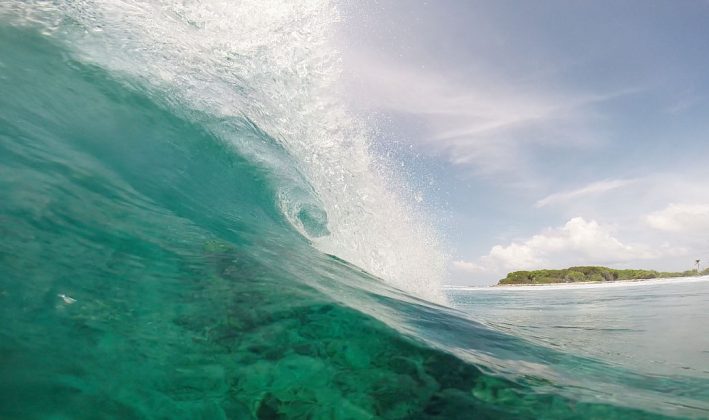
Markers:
576,286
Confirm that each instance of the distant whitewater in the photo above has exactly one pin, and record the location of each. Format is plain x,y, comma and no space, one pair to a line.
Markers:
582,285
193,226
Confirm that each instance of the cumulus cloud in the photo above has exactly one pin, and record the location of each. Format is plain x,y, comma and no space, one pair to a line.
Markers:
594,188
681,218
467,267
579,241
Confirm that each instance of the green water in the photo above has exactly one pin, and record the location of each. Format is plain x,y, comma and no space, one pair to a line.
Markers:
146,271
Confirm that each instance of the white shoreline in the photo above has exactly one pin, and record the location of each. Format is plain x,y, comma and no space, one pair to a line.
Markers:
584,285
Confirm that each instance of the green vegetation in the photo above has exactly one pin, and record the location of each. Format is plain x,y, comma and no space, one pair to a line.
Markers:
590,274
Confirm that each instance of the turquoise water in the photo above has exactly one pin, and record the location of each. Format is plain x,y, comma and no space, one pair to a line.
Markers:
163,259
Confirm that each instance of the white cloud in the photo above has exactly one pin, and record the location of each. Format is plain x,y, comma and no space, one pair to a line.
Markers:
590,189
577,242
467,267
681,218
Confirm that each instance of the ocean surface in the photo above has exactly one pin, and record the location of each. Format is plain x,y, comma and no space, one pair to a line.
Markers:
656,333
192,226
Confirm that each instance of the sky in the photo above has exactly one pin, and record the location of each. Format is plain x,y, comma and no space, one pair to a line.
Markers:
543,134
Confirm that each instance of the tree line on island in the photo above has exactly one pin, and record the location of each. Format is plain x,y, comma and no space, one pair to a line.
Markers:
590,274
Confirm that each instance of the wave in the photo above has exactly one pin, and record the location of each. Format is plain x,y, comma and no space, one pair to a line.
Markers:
271,65
193,227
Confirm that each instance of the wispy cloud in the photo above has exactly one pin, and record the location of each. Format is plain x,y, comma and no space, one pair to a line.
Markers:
480,120
594,188
685,102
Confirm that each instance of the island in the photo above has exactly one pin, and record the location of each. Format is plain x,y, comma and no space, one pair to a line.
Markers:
589,274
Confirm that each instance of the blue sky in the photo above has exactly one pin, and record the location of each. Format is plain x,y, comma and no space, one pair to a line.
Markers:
546,133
